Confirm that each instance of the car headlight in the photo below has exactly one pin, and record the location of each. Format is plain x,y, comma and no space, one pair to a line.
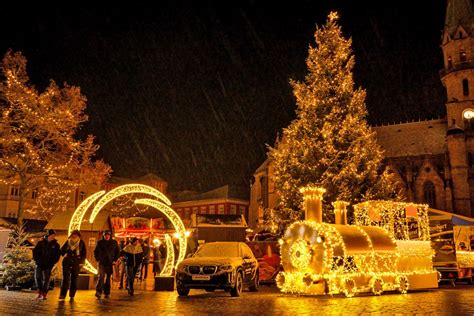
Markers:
181,268
226,268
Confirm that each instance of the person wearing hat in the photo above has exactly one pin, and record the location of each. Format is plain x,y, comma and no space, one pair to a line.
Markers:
133,254
45,254
106,254
74,252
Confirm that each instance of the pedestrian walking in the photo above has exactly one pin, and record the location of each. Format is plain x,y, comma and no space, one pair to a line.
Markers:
145,261
106,254
45,254
133,254
122,266
74,252
156,261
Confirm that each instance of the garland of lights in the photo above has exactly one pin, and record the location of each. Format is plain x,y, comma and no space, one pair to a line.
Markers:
321,258
78,217
392,216
127,189
178,226
168,267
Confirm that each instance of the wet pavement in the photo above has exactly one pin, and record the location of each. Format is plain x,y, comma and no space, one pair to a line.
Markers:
268,301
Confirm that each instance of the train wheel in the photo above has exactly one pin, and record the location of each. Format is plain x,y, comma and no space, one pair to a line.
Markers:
376,285
349,287
402,284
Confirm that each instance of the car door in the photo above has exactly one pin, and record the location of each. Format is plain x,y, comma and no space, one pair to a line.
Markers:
249,263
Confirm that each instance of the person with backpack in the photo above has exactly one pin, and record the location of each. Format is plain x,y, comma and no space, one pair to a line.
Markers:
106,254
74,252
45,254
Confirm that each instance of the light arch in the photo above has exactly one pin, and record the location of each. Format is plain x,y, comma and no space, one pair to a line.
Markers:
162,203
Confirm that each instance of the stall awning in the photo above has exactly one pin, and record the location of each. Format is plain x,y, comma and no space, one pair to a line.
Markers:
458,221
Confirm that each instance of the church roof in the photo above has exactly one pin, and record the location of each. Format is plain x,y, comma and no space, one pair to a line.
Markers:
413,139
458,12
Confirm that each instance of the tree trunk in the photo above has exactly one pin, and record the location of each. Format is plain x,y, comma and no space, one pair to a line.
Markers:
21,201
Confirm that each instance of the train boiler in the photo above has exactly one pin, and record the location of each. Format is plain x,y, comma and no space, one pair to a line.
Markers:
322,258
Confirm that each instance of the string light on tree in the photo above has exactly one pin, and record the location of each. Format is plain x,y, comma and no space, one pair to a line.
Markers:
330,142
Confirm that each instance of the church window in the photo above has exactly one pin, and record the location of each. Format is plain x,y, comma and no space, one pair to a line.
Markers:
462,56
460,34
465,87
450,62
15,191
430,194
469,159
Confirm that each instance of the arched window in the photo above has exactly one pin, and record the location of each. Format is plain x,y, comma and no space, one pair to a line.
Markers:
465,87
430,193
462,56
450,62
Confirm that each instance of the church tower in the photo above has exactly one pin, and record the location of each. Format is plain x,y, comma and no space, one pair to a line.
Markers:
457,77
458,72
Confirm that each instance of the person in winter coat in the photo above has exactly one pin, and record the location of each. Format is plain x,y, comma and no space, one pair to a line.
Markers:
45,254
156,261
122,266
145,261
106,254
133,254
74,252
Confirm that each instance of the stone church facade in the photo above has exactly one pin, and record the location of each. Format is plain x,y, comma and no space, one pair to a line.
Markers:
432,159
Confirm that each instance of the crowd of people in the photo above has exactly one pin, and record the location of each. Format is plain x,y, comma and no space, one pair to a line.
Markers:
124,261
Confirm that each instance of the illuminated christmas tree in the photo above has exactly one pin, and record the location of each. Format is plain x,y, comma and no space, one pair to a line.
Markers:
330,143
39,151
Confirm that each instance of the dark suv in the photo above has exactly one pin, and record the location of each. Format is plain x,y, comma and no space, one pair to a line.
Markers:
219,265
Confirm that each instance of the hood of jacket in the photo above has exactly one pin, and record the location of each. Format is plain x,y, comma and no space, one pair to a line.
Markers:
133,249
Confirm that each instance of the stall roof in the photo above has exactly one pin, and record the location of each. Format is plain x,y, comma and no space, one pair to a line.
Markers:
61,221
456,219
31,225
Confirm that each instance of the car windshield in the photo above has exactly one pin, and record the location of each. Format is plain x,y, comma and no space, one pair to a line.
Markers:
218,250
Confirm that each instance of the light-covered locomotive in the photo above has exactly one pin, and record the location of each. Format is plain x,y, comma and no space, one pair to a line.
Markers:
321,258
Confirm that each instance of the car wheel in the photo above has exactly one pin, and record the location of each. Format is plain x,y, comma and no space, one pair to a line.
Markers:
182,291
237,289
255,283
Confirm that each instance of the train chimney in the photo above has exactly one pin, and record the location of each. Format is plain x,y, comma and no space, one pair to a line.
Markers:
313,205
340,210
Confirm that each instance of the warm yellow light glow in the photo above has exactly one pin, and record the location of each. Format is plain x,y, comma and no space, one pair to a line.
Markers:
175,221
320,258
187,233
156,242
393,217
81,210
77,218
169,261
127,189
468,114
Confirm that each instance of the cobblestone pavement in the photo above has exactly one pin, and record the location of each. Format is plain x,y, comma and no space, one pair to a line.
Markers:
443,301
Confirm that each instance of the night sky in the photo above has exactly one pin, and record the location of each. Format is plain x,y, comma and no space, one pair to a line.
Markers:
193,91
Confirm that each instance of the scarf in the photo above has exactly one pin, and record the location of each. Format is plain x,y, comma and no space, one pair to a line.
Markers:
73,245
